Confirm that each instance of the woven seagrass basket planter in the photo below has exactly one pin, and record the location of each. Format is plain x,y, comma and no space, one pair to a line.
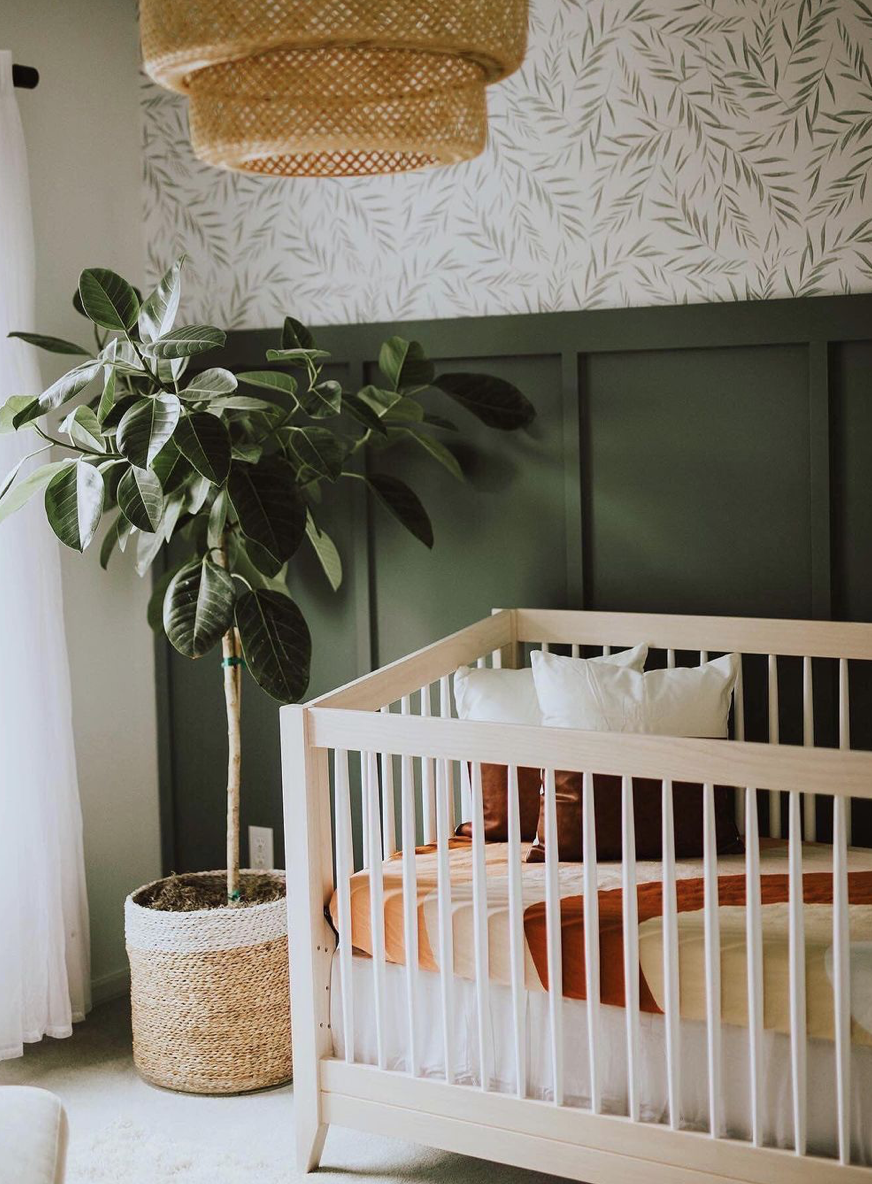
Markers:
210,994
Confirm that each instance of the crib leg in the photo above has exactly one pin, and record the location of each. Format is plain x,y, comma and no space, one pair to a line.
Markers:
310,1145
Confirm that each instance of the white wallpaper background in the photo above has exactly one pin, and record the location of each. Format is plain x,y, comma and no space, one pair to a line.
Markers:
650,151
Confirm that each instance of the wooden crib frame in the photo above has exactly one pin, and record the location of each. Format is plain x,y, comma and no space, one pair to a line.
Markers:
545,1135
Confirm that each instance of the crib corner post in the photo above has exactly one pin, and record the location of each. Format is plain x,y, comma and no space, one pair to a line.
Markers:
308,860
508,656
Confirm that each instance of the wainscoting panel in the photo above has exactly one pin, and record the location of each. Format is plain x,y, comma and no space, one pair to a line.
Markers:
703,458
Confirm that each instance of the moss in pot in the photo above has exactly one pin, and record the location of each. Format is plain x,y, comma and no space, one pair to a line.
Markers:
235,469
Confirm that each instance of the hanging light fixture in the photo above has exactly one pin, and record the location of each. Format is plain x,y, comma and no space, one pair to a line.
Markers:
333,89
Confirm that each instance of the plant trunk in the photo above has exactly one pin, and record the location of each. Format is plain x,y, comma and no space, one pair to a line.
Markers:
231,652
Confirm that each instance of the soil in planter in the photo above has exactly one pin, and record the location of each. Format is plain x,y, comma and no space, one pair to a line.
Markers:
185,893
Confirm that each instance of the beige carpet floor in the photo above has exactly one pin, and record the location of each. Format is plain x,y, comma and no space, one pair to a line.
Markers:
123,1131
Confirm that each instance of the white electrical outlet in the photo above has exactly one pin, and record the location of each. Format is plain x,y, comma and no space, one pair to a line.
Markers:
260,848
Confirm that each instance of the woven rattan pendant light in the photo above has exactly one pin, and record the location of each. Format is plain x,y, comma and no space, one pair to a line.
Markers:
337,88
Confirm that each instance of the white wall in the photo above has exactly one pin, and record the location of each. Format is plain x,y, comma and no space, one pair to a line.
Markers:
81,127
647,153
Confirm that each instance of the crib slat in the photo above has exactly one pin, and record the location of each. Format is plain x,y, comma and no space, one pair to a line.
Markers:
447,768
630,918
344,870
465,793
607,649
480,662
376,907
364,812
670,659
841,976
753,939
428,777
389,822
516,933
808,802
591,940
480,929
576,649
845,731
545,647
703,657
774,794
739,733
796,938
712,960
446,928
670,961
553,937
408,833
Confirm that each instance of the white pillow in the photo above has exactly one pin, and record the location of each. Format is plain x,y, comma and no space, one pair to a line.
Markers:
509,696
684,701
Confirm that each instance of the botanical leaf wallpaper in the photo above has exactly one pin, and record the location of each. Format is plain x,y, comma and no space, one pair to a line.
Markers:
650,151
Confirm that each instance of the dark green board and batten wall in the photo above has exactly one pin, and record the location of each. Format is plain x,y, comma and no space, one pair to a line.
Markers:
712,458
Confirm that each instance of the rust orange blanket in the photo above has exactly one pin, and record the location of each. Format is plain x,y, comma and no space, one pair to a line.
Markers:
817,893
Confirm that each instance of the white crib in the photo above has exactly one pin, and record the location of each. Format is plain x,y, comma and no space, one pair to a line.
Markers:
418,770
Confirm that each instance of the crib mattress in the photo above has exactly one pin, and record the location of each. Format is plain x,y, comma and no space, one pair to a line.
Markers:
817,892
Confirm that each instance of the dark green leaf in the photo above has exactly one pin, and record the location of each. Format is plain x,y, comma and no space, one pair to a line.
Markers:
325,549
276,643
404,364
244,562
217,519
209,385
186,341
268,505
173,507
379,400
250,453
54,345
436,421
118,531
107,398
170,467
319,450
497,403
83,428
271,380
295,335
439,452
203,439
198,607
66,387
140,498
363,413
145,428
404,504
158,312
406,411
108,299
247,403
196,493
154,612
296,357
323,400
74,504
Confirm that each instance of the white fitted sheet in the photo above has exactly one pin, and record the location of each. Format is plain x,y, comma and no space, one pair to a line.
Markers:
777,1090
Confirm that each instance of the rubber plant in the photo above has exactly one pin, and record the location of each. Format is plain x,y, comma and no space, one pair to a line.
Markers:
178,450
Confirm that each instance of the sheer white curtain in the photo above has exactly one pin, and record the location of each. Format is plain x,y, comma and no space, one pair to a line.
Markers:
44,960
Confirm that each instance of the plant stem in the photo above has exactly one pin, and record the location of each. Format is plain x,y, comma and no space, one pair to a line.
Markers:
230,651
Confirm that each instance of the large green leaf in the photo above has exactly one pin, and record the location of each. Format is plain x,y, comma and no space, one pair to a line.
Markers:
154,610
404,364
74,504
140,498
405,411
363,413
170,467
497,403
159,310
379,400
295,335
439,452
10,409
66,387
54,345
276,643
198,607
107,398
83,428
404,504
325,549
322,400
243,563
217,519
8,481
145,428
204,440
319,450
108,299
186,341
296,357
268,505
116,536
271,380
209,384
12,499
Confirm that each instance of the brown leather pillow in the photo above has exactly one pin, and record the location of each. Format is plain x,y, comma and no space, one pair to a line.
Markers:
495,804
687,807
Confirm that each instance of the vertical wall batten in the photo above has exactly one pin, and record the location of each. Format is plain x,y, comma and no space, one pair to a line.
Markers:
517,943
480,929
820,487
712,959
796,946
344,871
570,373
670,962
553,937
630,920
754,953
591,940
376,906
772,703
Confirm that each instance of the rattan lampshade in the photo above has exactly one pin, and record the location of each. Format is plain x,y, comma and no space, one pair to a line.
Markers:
338,88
